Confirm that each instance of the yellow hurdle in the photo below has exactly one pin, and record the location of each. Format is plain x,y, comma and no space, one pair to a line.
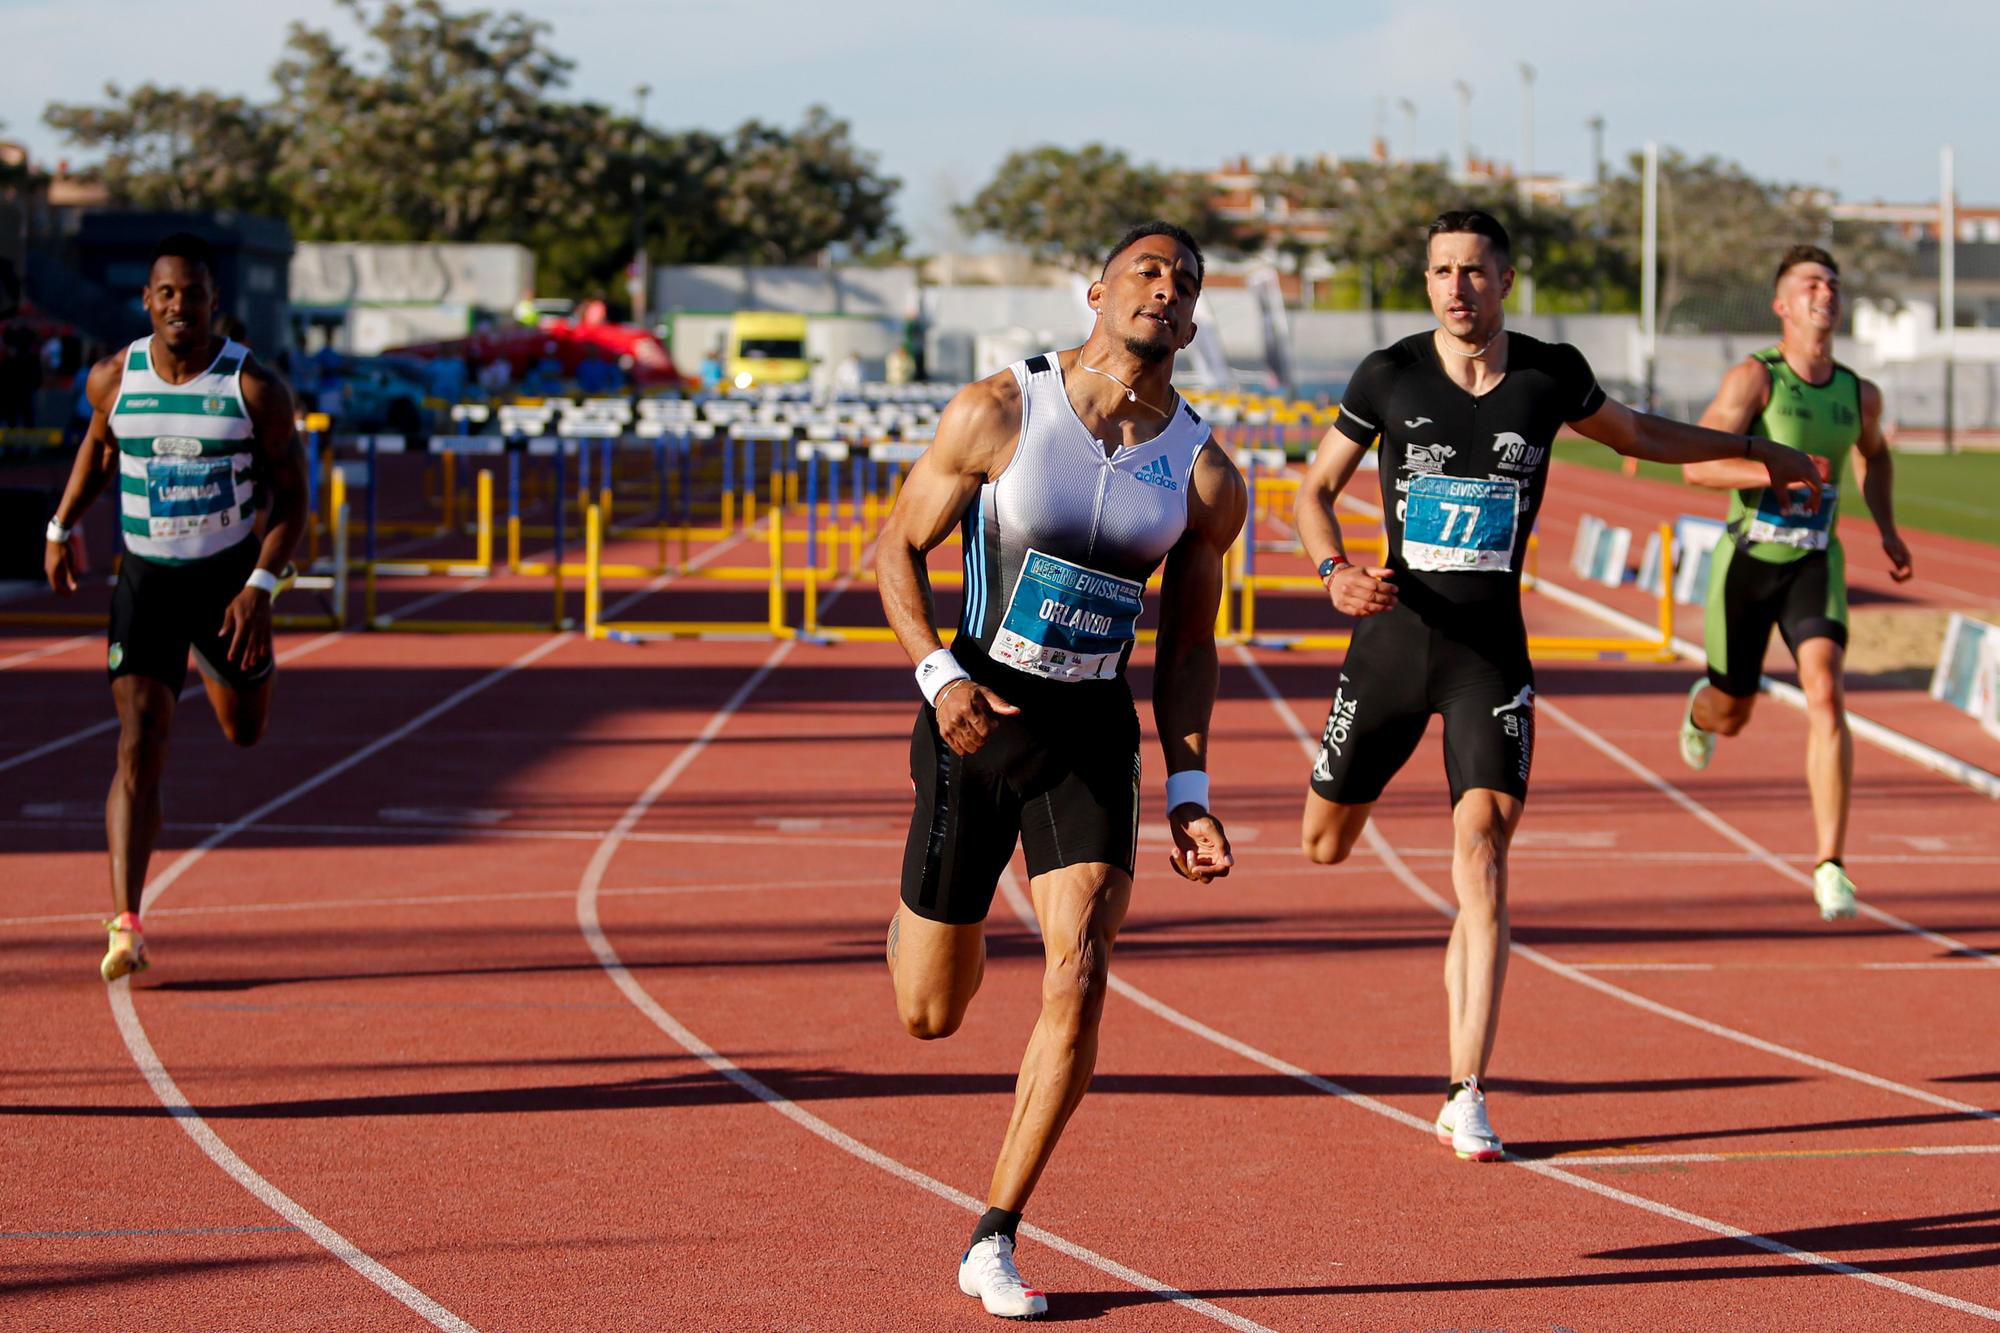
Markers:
776,621
593,546
484,552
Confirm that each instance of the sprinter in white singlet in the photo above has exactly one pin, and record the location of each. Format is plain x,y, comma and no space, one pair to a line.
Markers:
199,438
1072,476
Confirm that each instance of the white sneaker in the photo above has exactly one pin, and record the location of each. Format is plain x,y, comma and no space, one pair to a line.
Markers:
1833,891
1697,746
1463,1127
987,1271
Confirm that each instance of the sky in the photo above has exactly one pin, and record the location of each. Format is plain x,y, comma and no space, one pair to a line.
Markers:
1856,97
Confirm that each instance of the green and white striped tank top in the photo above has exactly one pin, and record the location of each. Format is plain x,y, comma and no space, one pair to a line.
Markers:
187,473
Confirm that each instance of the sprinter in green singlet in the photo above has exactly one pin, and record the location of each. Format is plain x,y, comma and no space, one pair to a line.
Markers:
1781,565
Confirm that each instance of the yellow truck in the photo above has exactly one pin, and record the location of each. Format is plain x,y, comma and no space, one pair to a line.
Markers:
766,348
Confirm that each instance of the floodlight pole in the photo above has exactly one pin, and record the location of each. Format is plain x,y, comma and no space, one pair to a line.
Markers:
1948,282
1409,128
1596,127
1649,261
642,276
1464,130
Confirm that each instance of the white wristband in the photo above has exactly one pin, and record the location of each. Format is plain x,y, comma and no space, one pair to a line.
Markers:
1187,787
937,671
264,581
57,532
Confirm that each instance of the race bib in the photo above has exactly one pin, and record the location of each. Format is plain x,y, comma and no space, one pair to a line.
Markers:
1460,523
1065,622
1782,518
187,496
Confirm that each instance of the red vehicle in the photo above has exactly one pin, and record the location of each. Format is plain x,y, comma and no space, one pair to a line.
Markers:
569,341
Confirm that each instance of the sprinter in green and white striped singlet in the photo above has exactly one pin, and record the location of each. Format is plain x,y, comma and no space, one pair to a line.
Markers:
188,479
200,438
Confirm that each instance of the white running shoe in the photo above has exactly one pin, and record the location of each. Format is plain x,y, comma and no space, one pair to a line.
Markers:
1697,746
1463,1127
987,1271
1833,891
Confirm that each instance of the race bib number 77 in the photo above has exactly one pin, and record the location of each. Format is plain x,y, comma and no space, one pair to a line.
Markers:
1460,523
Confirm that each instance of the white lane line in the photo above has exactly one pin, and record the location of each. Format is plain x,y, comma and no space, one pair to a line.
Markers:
111,723
1415,884
166,879
1743,840
1615,1158
457,833
242,1173
790,885
140,1046
47,650
587,920
1541,1167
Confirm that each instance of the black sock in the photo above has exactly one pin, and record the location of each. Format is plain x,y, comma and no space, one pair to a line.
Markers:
1832,861
1453,1088
995,1222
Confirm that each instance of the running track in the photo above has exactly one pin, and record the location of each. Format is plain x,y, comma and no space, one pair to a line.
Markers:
532,982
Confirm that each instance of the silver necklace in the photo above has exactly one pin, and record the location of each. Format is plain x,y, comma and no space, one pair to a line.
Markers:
1470,356
1131,394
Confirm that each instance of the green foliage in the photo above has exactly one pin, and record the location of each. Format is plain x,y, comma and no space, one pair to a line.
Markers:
450,126
169,149
1068,207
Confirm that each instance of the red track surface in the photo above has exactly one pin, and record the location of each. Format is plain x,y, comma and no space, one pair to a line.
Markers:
382,996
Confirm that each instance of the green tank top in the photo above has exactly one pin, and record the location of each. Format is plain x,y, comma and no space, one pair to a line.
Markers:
1821,419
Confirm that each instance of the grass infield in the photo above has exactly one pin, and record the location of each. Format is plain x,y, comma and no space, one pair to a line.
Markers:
1955,494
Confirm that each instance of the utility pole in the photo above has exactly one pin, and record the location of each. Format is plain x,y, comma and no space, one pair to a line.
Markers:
1464,130
1948,282
1528,177
1649,263
641,277
1596,127
1409,109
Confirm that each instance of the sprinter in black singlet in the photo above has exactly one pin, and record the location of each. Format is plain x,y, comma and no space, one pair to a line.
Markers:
1466,414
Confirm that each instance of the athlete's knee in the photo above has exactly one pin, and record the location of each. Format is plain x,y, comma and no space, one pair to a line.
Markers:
1327,841
1729,714
1825,700
931,1021
142,741
243,731
1074,981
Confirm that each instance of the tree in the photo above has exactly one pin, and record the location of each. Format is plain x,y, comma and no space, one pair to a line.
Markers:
1068,207
445,126
448,132
1374,215
169,149
1720,234
787,196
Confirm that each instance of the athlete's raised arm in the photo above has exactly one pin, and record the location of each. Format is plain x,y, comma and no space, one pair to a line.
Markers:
1663,440
246,622
975,437
96,464
1745,391
1185,667
1875,471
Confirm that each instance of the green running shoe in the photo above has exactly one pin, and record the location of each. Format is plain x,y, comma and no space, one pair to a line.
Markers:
1833,891
1697,746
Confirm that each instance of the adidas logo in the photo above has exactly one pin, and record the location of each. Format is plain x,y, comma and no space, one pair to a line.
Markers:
1156,471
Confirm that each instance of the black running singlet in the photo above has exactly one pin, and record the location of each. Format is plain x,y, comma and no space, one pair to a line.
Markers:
1463,477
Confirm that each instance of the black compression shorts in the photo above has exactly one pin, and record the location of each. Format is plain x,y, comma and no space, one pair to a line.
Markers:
160,611
1398,672
1805,598
1061,777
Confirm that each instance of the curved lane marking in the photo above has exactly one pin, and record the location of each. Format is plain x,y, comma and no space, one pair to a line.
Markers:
587,921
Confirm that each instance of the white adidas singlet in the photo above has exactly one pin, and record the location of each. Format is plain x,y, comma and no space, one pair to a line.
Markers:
1058,548
187,470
